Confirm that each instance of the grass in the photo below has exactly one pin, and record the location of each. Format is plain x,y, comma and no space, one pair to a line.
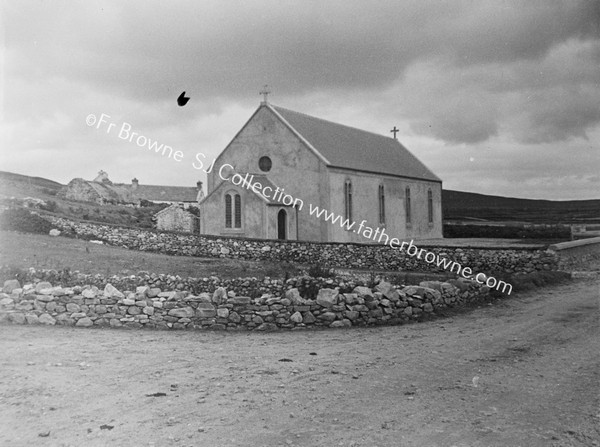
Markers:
20,250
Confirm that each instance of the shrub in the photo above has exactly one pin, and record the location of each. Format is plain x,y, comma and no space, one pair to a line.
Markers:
320,271
19,219
50,192
372,282
50,205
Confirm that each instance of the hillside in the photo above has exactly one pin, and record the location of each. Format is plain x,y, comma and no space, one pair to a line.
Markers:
459,205
18,185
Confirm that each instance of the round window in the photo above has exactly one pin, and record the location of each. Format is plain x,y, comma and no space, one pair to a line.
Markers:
265,164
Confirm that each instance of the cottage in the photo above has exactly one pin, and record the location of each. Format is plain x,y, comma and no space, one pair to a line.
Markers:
101,190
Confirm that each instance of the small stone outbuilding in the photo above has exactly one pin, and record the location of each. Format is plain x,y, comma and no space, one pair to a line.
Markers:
176,218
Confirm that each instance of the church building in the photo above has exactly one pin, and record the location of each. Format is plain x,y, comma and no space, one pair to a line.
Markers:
284,167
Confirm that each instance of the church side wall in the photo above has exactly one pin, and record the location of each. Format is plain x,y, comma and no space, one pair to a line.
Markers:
295,168
365,201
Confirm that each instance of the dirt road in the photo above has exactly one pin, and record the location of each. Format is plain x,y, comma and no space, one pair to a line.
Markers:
521,372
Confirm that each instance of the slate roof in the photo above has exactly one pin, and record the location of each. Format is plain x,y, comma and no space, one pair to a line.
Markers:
350,148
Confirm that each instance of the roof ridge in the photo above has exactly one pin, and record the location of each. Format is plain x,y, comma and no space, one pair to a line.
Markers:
145,184
333,122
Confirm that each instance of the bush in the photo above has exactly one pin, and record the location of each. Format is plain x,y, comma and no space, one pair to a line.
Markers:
320,271
19,219
373,280
50,192
50,205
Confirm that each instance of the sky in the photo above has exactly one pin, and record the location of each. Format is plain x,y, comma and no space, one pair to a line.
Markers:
495,97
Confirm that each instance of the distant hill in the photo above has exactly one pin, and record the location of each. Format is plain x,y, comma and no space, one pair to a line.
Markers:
21,186
25,180
459,205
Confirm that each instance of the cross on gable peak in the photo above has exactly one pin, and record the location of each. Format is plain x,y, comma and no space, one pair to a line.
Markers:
265,92
395,131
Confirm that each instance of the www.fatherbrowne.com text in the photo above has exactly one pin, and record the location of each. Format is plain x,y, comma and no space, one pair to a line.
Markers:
379,235
376,235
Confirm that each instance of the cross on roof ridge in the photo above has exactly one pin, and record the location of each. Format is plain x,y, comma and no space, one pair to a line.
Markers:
265,92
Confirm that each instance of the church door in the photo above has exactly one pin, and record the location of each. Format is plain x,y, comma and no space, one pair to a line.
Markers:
281,224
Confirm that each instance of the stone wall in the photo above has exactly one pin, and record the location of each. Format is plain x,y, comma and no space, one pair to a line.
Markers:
582,254
342,255
338,305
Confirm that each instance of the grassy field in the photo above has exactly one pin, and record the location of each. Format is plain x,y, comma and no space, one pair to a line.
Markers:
45,252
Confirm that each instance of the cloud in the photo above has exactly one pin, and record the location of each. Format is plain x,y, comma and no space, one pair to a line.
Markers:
553,99
230,48
488,80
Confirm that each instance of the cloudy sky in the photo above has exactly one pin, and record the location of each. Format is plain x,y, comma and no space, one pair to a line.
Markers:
497,97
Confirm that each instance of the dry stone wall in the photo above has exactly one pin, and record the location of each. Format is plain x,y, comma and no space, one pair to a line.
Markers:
583,254
146,306
342,255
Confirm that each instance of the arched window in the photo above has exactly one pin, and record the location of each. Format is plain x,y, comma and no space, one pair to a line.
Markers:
238,211
227,210
381,205
407,205
233,210
348,200
430,205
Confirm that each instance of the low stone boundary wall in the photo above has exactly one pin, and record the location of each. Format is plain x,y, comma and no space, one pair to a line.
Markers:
153,307
343,255
583,254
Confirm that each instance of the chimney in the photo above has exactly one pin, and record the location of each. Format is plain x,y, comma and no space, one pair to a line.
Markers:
134,183
200,195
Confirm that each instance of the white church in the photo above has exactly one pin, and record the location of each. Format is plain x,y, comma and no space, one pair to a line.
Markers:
358,175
